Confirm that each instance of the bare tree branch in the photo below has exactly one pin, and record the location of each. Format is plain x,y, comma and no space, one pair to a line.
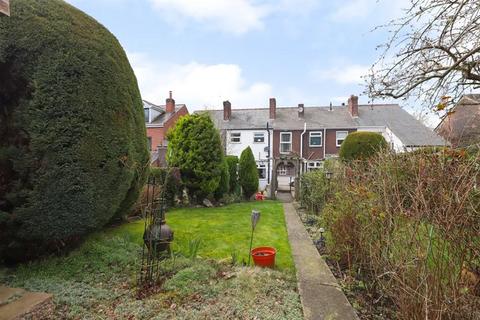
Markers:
433,51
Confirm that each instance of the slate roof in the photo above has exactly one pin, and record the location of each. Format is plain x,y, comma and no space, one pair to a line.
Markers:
163,116
462,127
409,130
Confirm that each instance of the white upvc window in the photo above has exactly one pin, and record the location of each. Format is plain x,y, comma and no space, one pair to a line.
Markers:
235,137
258,137
315,139
341,135
285,142
146,114
262,171
314,165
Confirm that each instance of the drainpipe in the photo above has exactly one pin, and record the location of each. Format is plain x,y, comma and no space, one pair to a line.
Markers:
301,144
268,155
324,141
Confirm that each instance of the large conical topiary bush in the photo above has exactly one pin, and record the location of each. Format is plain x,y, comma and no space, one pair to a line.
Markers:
73,151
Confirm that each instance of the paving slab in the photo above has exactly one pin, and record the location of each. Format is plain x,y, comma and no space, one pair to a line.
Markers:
29,305
7,294
321,296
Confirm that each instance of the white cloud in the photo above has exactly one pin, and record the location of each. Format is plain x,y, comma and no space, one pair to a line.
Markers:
198,85
343,74
230,16
234,16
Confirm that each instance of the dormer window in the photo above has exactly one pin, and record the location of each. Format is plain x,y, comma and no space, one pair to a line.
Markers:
146,112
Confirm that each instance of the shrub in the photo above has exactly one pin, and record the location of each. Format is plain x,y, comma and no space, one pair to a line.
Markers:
224,183
73,151
169,181
196,149
314,187
362,145
232,162
409,224
248,173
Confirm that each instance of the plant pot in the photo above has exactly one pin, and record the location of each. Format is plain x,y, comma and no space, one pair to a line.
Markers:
264,257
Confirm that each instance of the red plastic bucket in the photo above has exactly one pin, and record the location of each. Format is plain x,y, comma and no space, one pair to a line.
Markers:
264,257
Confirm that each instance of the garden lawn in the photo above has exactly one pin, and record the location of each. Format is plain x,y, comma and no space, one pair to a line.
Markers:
98,279
224,232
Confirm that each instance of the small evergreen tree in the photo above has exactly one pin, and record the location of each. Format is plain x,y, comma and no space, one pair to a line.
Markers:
248,173
232,163
362,145
196,149
224,183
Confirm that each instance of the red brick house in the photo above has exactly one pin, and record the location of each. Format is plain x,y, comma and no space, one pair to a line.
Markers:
288,141
461,127
158,120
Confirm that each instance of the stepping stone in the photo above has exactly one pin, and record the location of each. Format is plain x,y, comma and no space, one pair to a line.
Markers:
16,304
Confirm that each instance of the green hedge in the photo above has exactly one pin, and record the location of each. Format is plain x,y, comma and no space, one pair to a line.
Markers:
224,184
232,162
362,145
73,151
248,173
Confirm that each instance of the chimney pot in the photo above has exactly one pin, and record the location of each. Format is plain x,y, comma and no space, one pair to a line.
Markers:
301,110
170,103
227,110
273,108
353,106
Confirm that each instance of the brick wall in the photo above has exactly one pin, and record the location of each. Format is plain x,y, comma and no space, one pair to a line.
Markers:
311,153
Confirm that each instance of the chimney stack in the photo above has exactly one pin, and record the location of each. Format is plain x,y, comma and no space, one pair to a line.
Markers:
227,110
170,105
353,106
301,110
273,108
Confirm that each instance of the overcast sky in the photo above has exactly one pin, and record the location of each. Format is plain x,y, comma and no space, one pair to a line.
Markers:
246,51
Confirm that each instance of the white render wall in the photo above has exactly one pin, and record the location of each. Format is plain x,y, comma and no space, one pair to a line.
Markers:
396,144
258,149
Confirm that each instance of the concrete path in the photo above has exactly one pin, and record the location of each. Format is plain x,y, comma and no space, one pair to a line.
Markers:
284,196
321,296
16,303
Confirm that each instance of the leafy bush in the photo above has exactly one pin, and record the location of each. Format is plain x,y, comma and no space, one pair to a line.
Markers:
409,225
73,151
362,145
224,184
196,149
168,178
232,162
314,187
248,173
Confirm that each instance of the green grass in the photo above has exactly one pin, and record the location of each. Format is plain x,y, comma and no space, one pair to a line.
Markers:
97,280
225,230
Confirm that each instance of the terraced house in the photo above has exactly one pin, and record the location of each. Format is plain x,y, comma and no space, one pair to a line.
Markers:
158,120
288,141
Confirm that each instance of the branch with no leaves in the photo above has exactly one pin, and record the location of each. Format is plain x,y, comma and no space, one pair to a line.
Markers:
434,51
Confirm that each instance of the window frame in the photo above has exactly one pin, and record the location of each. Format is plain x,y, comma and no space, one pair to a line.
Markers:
319,134
149,142
232,137
258,133
146,118
336,137
280,143
262,166
314,165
